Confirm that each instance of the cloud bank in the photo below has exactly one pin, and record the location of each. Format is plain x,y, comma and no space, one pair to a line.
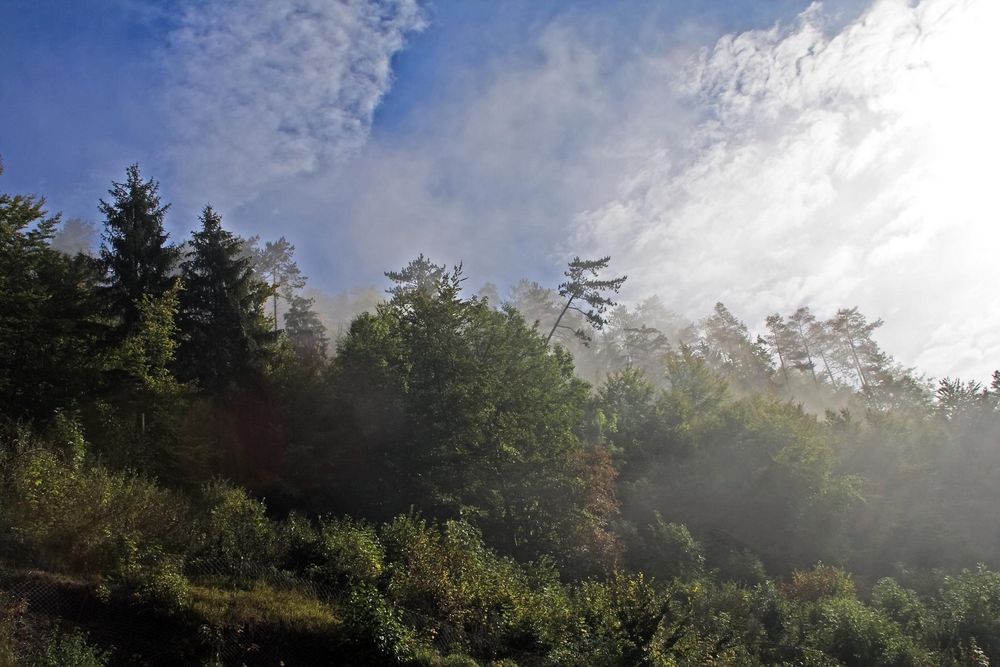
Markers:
817,162
832,170
262,91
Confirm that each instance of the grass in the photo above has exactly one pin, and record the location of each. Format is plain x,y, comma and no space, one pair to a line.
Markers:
264,606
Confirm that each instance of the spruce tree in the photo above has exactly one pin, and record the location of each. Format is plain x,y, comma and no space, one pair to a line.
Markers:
136,256
224,329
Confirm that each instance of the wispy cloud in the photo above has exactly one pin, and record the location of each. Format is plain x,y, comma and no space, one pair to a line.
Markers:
815,162
261,90
832,170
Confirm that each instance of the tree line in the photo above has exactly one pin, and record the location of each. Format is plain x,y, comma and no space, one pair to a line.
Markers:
551,479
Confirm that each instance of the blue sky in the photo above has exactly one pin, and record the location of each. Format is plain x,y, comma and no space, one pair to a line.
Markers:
767,154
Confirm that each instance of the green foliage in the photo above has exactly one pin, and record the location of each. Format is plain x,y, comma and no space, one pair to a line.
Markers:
451,579
348,551
857,635
138,260
77,517
667,550
901,605
373,625
221,308
464,412
69,649
236,537
969,612
50,327
822,581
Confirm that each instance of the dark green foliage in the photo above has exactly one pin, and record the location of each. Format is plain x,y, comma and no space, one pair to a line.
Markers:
50,329
225,333
667,550
138,260
236,538
460,410
68,649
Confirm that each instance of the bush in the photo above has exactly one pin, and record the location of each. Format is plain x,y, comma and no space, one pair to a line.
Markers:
459,586
237,539
823,581
372,624
901,605
667,550
9,647
155,578
969,613
349,551
73,517
856,635
610,623
69,649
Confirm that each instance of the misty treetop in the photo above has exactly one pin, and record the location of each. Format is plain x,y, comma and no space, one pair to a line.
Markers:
554,479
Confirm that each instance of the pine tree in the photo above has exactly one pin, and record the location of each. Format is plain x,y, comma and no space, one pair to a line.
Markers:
584,287
726,344
138,260
276,267
225,331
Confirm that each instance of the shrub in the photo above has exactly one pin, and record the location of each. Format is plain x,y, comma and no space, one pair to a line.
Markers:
69,649
349,551
667,550
373,624
152,577
856,635
451,579
73,517
237,539
901,605
969,612
823,581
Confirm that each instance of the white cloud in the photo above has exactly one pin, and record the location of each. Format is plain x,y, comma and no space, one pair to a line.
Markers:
852,169
261,90
802,164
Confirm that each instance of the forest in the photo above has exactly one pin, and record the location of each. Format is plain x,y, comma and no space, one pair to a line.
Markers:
195,470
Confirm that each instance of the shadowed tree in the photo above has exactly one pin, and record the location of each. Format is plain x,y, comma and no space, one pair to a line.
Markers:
138,260
50,327
458,409
222,317
304,329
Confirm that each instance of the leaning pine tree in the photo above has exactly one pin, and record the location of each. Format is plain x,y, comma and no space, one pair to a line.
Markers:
586,293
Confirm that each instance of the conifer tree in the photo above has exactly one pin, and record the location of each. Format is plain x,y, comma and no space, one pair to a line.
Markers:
138,260
225,331
304,329
49,322
583,286
276,267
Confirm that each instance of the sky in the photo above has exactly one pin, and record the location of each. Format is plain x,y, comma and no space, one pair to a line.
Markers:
767,154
